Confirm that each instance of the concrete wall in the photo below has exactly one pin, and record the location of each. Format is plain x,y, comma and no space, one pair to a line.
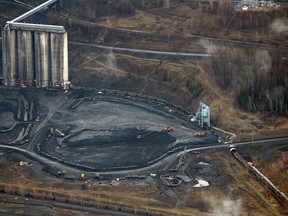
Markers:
9,45
25,57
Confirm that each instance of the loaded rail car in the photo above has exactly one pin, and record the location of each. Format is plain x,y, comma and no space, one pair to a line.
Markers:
281,197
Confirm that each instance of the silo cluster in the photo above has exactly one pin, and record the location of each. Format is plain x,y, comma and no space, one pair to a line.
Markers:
34,57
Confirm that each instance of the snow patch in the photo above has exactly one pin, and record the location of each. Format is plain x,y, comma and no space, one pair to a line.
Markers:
201,183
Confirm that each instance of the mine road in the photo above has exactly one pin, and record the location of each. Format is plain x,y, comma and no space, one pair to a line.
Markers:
57,164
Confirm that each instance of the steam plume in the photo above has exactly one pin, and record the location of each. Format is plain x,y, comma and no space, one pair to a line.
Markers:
226,207
280,25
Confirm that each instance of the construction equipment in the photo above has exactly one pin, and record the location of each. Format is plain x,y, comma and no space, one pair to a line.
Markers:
59,133
200,134
62,172
140,136
168,129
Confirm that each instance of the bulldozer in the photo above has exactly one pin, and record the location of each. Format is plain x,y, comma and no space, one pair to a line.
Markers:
168,129
200,134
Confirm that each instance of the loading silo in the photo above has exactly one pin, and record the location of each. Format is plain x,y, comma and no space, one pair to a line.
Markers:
65,59
42,59
59,62
10,73
203,115
25,57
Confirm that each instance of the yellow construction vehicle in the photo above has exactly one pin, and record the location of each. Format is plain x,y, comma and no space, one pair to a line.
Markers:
59,133
200,134
168,129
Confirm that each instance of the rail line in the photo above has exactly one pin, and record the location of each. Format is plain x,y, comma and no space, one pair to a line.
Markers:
80,200
281,197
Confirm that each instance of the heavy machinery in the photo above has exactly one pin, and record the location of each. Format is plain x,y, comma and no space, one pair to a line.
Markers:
59,133
140,136
168,129
200,134
61,172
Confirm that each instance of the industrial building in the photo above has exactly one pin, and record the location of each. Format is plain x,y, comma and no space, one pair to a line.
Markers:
202,115
255,4
34,54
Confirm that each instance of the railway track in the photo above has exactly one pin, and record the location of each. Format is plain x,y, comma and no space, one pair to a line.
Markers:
281,197
81,202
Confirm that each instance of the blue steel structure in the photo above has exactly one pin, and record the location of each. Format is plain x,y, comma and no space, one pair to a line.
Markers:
203,115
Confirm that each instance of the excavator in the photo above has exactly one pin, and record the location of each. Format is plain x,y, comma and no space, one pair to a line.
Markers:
200,134
168,129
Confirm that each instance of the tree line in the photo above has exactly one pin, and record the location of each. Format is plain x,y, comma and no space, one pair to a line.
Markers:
259,78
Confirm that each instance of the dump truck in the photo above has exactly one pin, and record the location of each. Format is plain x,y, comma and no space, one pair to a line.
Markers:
168,129
200,134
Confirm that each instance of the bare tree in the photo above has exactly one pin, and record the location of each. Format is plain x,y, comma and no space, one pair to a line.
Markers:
166,4
125,6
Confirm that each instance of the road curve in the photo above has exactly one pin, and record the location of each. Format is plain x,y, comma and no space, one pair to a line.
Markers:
31,154
239,144
153,166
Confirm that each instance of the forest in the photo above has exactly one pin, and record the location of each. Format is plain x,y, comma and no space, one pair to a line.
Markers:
259,78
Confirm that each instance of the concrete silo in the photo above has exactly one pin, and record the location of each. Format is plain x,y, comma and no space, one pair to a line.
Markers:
25,57
59,59
34,52
9,45
42,59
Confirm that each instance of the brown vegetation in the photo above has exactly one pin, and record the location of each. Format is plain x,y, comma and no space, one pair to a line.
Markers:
258,77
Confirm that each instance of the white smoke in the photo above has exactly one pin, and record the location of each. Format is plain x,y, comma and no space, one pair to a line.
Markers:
111,60
225,207
264,61
280,25
210,48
